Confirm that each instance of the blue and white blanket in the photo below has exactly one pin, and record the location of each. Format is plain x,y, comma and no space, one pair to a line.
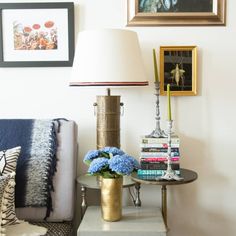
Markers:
36,164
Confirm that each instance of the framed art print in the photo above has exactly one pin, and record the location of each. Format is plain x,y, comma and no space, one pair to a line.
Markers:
178,67
175,12
36,34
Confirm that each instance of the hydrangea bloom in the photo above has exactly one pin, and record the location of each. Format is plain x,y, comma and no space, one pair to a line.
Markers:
136,164
113,150
91,155
110,162
97,165
123,164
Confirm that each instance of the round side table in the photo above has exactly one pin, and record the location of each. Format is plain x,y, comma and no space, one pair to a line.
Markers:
188,177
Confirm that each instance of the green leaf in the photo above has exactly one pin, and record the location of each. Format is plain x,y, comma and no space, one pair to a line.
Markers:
105,154
107,174
87,162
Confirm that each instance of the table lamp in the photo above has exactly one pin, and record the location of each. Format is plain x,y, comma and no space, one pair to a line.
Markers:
108,57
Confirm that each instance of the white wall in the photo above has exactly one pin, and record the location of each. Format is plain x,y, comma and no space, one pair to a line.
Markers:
205,123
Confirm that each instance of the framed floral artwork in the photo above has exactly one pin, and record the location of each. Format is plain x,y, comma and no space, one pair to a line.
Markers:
176,12
178,67
36,34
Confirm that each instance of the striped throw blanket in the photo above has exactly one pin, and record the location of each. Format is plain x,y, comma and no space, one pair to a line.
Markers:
36,164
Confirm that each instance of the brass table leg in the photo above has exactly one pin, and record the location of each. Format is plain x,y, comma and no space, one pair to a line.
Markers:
164,203
84,202
137,202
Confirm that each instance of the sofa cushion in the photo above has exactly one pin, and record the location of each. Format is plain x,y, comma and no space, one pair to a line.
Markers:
8,160
8,215
3,183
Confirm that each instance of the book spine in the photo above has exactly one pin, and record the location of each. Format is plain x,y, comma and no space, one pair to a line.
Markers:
157,159
155,172
158,166
149,177
158,154
154,149
153,162
158,145
159,140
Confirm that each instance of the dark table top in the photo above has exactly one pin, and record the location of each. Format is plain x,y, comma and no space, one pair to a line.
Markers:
188,177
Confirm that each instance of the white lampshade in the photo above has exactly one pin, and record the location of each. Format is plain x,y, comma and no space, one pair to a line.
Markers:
108,57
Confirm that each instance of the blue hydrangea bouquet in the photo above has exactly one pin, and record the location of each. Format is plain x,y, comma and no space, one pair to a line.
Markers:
110,162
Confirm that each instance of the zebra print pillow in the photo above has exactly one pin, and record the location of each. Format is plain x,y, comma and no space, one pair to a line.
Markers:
8,212
8,160
5,184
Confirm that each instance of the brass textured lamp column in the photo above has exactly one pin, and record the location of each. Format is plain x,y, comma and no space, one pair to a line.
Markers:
110,58
108,121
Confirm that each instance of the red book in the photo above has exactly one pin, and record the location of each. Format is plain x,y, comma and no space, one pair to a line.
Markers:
153,159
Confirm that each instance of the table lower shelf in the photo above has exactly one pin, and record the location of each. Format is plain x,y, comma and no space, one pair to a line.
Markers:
136,221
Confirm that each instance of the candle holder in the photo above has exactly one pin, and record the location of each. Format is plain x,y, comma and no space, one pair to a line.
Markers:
169,173
157,132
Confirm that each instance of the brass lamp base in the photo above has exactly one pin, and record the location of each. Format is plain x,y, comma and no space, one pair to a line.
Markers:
108,121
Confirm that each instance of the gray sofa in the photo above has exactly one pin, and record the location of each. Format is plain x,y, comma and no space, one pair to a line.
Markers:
60,221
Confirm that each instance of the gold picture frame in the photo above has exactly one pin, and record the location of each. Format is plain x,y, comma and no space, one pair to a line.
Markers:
157,13
178,67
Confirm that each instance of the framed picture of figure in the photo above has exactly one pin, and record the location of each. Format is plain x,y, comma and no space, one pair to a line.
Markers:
176,12
178,67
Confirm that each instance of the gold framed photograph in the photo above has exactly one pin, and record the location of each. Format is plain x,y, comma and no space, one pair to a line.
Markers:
178,67
176,12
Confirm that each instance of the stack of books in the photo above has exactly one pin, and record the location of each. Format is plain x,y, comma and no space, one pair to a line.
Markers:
153,157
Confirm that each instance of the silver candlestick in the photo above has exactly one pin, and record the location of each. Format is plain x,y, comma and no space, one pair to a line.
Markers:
169,173
157,132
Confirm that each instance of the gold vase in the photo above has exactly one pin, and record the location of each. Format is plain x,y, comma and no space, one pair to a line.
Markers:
111,199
